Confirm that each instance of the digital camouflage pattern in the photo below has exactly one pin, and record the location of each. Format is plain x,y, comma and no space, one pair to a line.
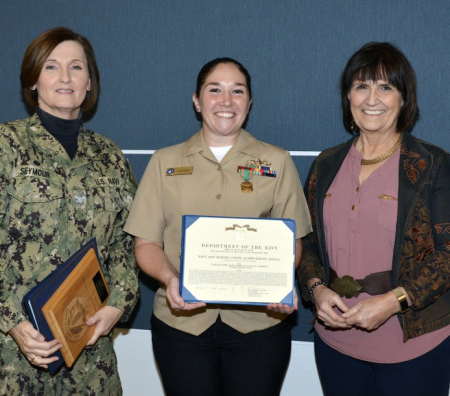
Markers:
93,374
50,206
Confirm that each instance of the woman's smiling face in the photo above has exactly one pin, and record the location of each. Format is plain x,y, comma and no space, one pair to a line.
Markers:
375,105
64,81
224,103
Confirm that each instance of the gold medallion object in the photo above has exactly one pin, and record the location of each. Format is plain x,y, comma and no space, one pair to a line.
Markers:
247,187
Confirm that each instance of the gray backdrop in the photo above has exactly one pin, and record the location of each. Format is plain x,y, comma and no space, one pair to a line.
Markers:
150,51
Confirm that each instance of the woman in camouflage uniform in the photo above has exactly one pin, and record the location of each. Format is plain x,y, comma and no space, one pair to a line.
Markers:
60,186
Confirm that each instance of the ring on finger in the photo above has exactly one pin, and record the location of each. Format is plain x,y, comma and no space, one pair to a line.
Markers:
32,360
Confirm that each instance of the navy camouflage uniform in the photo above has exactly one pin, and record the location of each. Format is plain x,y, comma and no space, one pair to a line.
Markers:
50,206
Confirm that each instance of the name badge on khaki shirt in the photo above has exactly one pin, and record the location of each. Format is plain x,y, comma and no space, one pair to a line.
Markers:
183,170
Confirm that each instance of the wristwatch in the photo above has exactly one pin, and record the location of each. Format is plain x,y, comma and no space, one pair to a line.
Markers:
401,299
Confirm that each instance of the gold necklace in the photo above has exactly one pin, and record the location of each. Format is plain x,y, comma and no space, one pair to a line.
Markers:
384,156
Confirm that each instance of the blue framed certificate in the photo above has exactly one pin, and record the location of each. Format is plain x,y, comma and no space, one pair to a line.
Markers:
233,260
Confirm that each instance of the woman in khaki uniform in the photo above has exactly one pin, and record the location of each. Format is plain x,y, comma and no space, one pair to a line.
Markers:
215,349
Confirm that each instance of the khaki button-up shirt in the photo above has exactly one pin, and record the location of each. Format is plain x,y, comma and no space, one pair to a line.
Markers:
214,189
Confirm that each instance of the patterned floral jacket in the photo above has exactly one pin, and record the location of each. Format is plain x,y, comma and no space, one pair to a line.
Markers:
421,262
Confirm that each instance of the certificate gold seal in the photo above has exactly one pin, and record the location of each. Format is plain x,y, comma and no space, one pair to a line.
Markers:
240,234
74,318
238,289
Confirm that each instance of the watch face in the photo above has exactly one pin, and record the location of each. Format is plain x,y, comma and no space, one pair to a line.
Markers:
404,304
401,299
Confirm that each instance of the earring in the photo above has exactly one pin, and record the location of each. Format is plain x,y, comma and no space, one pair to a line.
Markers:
352,124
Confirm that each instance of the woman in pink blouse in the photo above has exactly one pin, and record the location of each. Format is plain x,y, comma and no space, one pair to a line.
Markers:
377,265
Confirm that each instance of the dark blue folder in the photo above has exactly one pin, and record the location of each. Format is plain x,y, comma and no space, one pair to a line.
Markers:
38,296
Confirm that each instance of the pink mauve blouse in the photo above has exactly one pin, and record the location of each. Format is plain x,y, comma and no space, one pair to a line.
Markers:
360,236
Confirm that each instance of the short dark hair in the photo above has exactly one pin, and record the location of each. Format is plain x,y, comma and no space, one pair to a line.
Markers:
209,67
38,52
381,61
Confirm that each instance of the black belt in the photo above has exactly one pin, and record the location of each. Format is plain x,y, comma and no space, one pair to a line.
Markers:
373,284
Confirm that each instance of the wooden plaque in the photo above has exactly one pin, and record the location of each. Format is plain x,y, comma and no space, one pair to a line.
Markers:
79,297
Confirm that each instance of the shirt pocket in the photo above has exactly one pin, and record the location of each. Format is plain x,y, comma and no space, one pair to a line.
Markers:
107,203
34,207
388,208
327,207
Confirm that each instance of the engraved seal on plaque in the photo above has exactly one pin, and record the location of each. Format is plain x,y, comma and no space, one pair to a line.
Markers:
74,318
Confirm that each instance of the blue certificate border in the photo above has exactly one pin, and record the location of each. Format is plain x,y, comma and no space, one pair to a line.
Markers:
188,220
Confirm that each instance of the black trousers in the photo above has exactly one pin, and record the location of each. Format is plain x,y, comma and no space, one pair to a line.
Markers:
426,375
222,361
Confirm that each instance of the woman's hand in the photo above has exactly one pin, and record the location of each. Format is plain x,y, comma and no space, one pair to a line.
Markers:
373,312
176,301
153,261
325,300
105,319
33,344
284,308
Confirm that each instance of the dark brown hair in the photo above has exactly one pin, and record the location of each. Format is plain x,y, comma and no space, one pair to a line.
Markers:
381,61
38,52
